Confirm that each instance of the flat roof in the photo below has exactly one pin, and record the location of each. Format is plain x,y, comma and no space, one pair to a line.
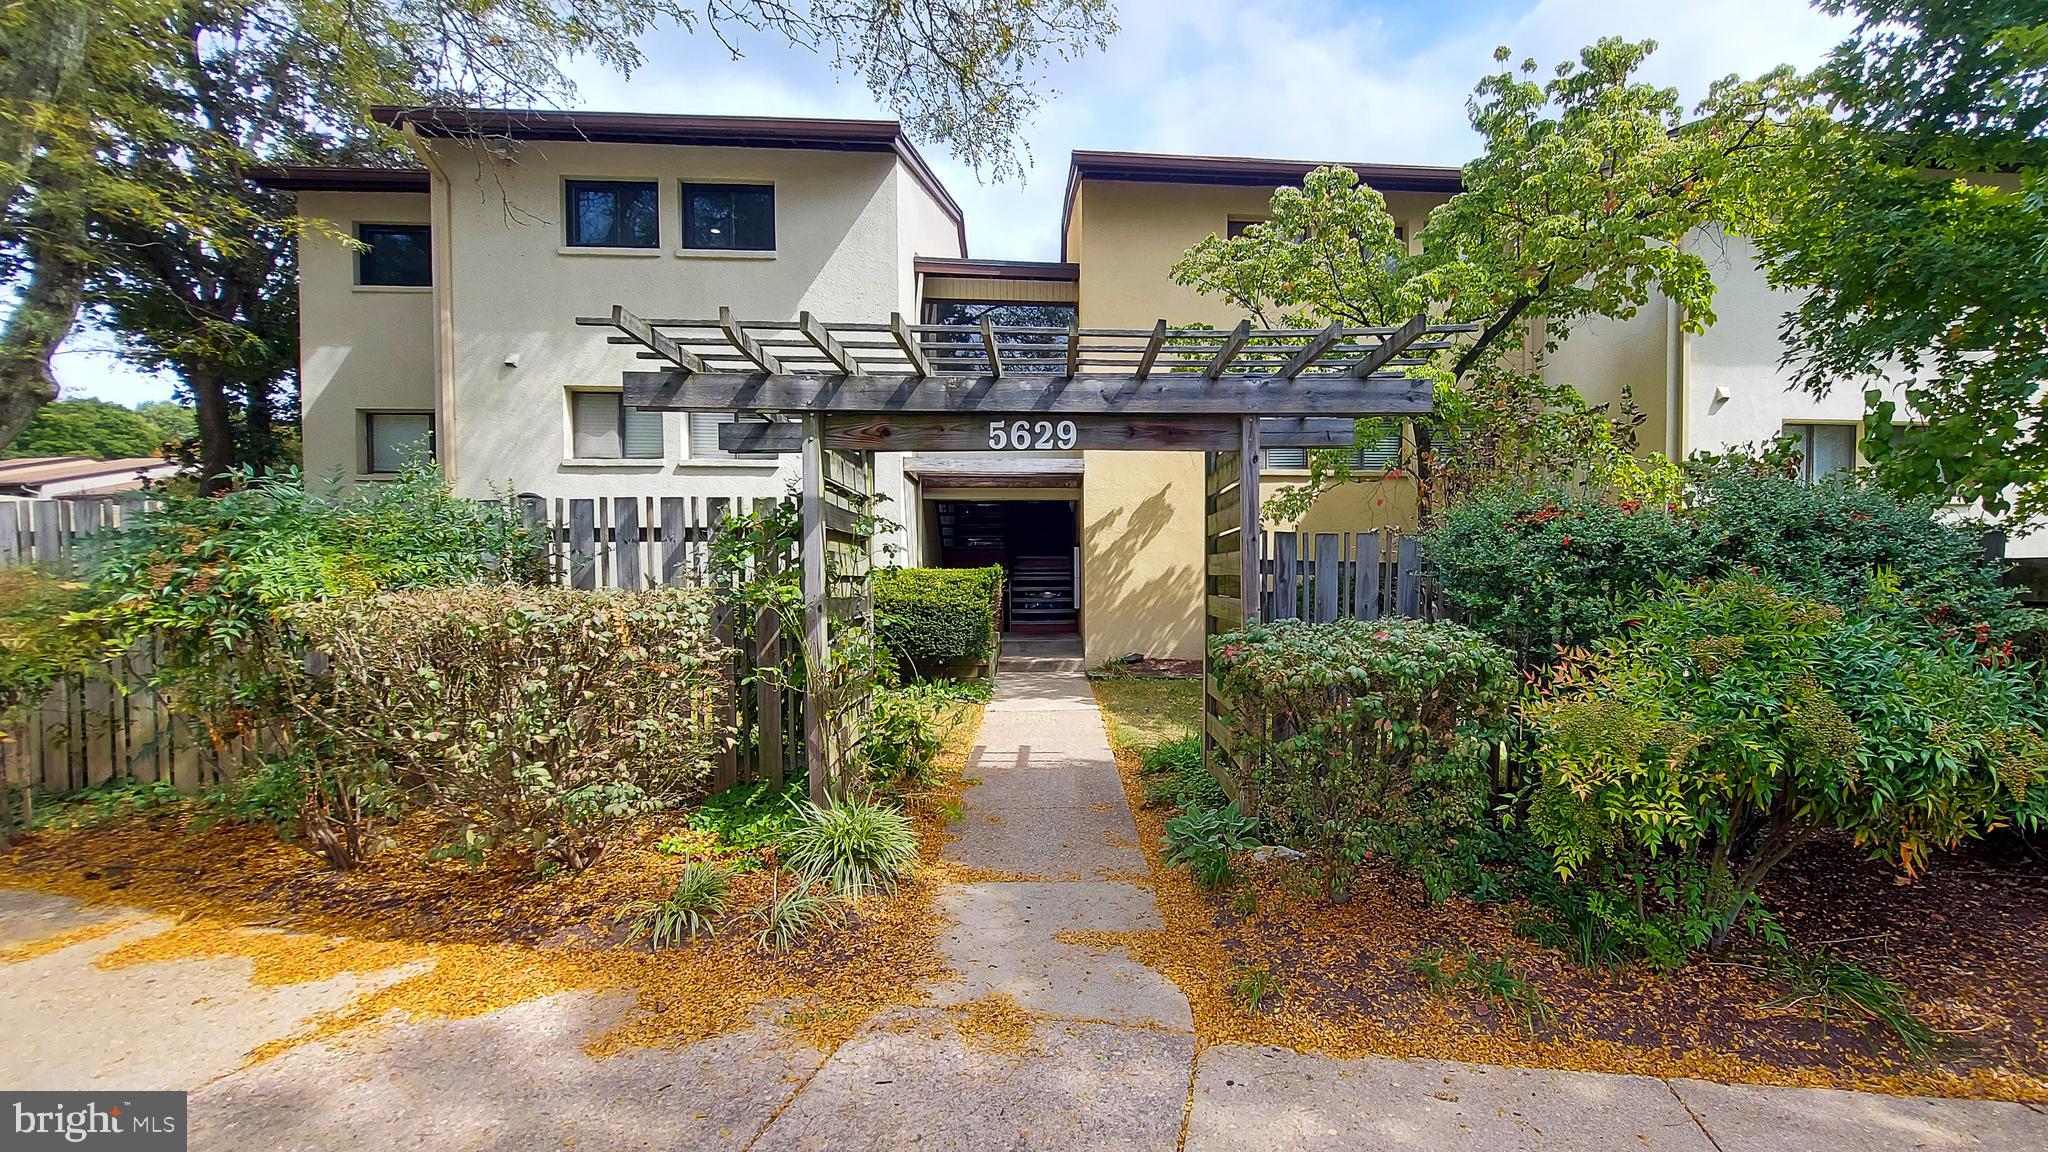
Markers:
337,178
673,129
999,269
1242,172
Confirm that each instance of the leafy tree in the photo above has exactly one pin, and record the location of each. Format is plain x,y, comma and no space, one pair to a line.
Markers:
174,421
131,149
89,428
1915,224
1579,206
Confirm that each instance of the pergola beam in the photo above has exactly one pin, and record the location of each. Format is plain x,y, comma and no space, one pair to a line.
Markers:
1232,345
907,341
1312,351
1391,346
1034,394
824,342
747,345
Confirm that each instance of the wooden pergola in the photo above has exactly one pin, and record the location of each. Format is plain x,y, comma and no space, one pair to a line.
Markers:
836,393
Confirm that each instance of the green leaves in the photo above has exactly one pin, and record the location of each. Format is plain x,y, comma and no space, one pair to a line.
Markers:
931,617
1369,737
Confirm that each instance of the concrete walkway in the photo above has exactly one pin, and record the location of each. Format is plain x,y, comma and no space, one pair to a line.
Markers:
1049,846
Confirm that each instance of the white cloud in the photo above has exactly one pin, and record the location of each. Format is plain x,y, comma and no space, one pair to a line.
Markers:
1309,79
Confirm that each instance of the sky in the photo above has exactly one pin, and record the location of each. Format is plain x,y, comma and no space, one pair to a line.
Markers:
1372,81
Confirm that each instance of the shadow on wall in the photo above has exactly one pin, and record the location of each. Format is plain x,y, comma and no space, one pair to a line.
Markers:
1146,609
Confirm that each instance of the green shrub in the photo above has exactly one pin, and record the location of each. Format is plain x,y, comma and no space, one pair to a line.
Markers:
1829,540
40,642
1539,569
851,845
900,738
1176,770
209,579
747,817
1204,838
541,717
1369,737
934,617
1683,760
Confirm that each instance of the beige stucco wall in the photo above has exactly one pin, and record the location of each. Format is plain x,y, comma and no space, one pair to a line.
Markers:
1143,524
360,348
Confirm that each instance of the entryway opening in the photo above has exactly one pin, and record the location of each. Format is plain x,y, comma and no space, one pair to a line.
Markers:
1036,544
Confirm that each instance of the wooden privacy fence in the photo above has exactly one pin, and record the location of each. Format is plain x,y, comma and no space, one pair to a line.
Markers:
91,729
1326,576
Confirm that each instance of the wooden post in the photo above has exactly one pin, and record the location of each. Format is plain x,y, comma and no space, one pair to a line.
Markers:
626,543
1249,462
817,648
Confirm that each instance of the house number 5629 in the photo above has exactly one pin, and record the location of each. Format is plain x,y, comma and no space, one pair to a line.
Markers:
1018,434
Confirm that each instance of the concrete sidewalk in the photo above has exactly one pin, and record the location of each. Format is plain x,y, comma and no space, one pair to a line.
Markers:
1109,1061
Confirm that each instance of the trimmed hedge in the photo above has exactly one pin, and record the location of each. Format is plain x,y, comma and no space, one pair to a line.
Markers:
932,617
1369,738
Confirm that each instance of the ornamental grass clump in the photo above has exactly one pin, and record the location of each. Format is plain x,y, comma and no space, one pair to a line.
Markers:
541,719
1369,738
852,846
1685,758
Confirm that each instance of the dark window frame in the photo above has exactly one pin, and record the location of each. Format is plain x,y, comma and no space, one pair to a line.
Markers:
727,186
364,227
369,424
572,185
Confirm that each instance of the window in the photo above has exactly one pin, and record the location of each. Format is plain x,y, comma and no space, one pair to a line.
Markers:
613,214
1234,228
962,351
396,255
1824,449
392,440
1372,458
735,217
704,428
602,426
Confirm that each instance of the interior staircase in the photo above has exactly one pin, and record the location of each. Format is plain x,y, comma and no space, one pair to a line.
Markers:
1041,594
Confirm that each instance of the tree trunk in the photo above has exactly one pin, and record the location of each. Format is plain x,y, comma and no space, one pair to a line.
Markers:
42,66
216,426
53,247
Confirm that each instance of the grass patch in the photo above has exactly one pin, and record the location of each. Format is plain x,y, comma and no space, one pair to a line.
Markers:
1144,713
1444,974
1823,984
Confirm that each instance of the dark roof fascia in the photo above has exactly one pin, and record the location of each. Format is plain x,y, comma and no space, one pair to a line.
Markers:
665,128
335,178
999,269
1239,171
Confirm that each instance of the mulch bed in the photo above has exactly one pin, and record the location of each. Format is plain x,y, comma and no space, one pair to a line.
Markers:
1968,940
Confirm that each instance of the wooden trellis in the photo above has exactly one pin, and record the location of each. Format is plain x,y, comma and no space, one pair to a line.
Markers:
841,392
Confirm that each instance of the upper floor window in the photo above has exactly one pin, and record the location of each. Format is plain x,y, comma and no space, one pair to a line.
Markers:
395,255
734,217
602,426
961,351
1233,228
1824,449
1375,457
392,440
613,213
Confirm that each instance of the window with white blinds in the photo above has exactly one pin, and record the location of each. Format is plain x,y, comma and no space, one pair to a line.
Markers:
604,427
1371,458
1824,449
392,440
704,428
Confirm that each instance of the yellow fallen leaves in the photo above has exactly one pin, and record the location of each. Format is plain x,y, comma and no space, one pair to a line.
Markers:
1347,993
57,942
994,1023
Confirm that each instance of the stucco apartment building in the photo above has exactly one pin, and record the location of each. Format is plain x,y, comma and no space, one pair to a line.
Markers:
448,327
